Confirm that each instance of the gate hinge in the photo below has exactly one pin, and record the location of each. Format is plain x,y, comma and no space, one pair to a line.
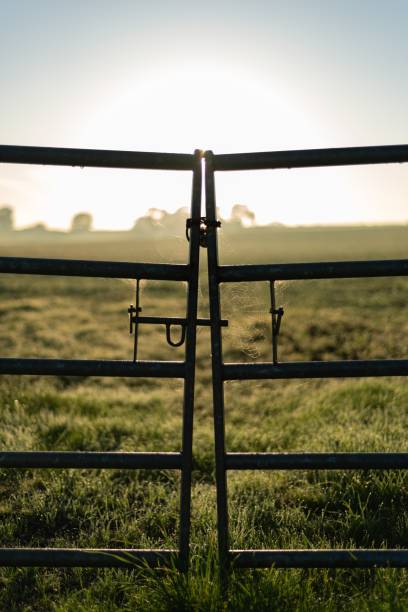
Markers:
203,223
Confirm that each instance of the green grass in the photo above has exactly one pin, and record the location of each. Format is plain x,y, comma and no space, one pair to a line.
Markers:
87,318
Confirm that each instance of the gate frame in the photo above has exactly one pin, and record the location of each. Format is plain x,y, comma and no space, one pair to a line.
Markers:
71,557
242,371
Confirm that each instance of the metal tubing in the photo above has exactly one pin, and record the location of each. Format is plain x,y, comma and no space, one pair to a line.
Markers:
190,363
316,369
275,322
309,271
186,370
77,557
84,367
319,558
240,371
101,269
177,321
90,460
136,320
309,158
217,362
316,461
95,158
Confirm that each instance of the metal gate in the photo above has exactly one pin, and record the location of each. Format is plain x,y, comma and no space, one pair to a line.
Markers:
57,557
203,230
275,370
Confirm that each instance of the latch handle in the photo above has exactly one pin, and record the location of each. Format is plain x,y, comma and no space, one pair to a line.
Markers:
132,310
182,338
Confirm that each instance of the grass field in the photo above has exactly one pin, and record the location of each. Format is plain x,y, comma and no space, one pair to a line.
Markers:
87,318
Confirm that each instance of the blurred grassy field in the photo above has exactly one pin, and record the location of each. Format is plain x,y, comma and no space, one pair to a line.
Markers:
87,318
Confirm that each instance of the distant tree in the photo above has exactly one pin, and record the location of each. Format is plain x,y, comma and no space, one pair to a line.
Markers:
82,222
143,225
159,220
242,215
6,219
152,220
37,228
156,214
175,223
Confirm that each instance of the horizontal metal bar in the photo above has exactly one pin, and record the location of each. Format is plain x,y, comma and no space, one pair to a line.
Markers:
308,271
315,369
77,557
84,367
175,321
101,269
95,158
316,461
350,156
320,558
208,322
97,460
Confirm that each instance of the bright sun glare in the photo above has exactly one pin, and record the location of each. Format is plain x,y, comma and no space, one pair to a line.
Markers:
179,110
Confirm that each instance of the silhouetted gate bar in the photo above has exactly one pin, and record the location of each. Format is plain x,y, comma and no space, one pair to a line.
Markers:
332,558
309,158
306,271
315,461
51,557
315,369
322,369
85,367
97,269
81,557
89,460
95,158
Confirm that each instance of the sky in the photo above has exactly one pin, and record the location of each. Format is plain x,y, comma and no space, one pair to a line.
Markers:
227,76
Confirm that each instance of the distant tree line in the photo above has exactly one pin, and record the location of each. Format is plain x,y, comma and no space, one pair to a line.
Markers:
158,219
81,222
155,219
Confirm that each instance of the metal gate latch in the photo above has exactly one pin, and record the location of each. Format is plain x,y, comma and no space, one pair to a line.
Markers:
179,342
203,223
135,320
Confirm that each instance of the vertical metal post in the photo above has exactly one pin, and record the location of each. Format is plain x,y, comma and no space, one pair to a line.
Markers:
136,331
217,362
273,308
276,318
190,358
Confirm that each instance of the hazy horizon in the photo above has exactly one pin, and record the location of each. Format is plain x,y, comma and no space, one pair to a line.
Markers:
216,75
228,220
